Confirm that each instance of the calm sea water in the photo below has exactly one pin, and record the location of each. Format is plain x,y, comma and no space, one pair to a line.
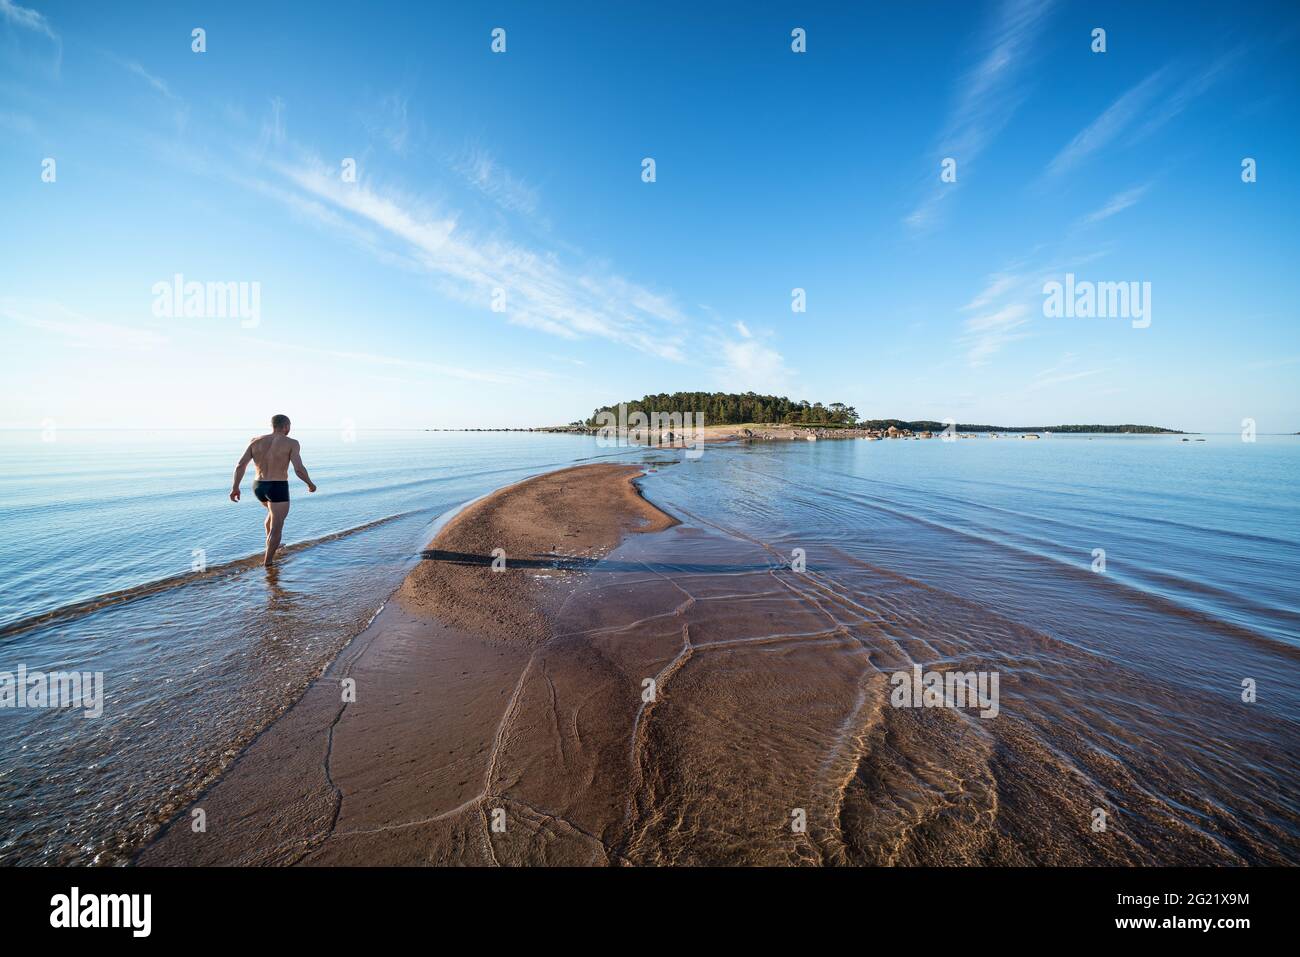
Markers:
101,531
193,669
1121,690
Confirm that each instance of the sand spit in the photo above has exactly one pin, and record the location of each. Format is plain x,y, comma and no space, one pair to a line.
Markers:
403,772
549,527
694,699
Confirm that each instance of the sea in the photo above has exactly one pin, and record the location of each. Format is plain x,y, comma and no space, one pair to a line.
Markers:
1145,586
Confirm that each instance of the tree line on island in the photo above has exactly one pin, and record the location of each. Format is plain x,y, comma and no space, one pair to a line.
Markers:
731,408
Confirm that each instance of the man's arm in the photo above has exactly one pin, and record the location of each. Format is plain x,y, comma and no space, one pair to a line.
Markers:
299,469
239,472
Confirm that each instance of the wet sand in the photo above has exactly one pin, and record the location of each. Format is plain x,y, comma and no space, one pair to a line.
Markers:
485,571
406,773
692,699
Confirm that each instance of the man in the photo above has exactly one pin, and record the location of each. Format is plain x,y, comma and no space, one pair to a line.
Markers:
272,454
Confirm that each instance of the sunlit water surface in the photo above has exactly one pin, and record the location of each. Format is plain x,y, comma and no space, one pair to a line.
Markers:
976,550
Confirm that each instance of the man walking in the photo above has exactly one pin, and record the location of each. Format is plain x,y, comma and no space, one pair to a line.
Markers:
272,453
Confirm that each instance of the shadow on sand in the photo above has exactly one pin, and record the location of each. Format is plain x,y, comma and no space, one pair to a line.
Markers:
576,563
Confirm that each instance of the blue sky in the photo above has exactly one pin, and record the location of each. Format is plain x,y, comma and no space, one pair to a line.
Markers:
522,172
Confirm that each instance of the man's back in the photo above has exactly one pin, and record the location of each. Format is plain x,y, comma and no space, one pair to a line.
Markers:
271,455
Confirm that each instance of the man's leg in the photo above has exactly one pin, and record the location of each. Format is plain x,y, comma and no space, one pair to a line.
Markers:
267,524
276,512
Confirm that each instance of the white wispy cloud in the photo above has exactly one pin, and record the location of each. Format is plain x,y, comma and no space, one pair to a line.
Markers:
568,359
1112,122
1065,370
156,82
541,292
986,98
1065,362
1026,397
75,330
1116,204
743,358
751,365
1004,308
986,334
25,18
999,284
1190,89
1000,311
1142,109
495,182
549,287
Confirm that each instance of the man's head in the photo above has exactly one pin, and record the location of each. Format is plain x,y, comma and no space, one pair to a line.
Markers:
280,423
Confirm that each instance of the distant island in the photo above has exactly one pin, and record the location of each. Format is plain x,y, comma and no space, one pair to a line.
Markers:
730,408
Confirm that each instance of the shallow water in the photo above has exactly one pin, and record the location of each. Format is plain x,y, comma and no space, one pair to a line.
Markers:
1120,690
1119,696
195,664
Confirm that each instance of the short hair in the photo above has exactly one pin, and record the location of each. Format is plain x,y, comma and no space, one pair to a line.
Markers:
279,421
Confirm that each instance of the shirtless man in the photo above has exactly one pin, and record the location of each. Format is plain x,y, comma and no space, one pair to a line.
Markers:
272,454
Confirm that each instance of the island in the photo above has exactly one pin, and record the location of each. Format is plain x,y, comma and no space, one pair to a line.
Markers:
729,415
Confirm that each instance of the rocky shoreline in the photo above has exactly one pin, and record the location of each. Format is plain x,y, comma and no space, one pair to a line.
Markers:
775,432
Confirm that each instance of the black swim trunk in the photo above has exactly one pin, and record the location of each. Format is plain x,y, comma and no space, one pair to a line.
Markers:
271,491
